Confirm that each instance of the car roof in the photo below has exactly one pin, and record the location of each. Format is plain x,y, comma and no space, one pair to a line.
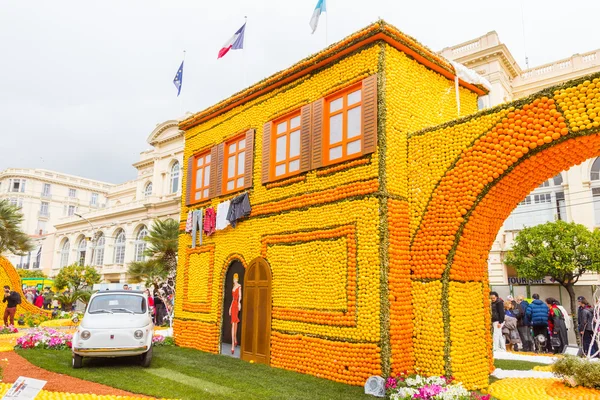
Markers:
119,291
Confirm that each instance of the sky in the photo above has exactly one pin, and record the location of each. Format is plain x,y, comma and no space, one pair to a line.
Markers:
83,84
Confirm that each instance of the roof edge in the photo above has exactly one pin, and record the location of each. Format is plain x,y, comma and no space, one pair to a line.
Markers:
379,30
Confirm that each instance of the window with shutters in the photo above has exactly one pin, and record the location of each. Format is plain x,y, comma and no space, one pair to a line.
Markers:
285,146
200,188
234,164
343,125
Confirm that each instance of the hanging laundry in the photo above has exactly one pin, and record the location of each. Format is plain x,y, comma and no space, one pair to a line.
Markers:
188,222
222,211
239,208
196,226
210,221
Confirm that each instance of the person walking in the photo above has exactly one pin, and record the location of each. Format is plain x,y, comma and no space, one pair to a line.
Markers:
537,314
585,326
557,326
12,300
523,324
509,329
497,307
39,300
29,295
48,296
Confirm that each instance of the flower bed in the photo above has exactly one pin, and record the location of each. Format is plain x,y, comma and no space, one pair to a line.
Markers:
32,319
45,338
160,340
8,330
408,387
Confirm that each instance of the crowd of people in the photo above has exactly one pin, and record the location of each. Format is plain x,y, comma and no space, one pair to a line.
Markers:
156,303
540,326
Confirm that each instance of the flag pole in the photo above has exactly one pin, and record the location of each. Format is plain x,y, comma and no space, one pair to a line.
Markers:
326,26
181,97
244,54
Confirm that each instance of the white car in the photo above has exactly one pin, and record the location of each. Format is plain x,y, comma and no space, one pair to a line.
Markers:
116,323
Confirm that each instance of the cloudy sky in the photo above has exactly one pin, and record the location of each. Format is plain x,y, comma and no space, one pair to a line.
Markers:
83,83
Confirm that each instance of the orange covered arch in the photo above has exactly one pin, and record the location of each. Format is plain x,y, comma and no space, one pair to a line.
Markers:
9,276
465,178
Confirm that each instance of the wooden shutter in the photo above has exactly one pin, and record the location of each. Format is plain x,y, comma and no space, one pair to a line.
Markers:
190,174
266,153
249,159
317,133
369,114
218,167
305,137
214,162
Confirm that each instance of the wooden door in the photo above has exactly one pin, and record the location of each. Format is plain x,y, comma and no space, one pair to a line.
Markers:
256,307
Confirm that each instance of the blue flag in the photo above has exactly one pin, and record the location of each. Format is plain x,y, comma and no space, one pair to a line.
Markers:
178,79
314,20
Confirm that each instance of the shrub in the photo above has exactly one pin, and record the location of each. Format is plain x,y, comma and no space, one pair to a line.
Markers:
578,371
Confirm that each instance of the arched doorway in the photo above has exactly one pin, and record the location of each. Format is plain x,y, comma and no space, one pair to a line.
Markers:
256,326
236,269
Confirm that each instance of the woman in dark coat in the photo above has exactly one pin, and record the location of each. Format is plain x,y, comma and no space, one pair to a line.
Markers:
556,324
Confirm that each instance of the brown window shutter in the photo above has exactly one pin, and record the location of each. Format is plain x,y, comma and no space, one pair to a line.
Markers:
369,114
218,166
214,162
190,174
266,153
248,170
317,133
305,137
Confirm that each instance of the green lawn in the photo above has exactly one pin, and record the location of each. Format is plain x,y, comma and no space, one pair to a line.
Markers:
516,365
190,374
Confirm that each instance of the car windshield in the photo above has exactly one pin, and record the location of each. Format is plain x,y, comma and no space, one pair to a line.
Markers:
117,303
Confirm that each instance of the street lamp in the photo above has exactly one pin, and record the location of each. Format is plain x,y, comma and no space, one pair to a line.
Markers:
93,233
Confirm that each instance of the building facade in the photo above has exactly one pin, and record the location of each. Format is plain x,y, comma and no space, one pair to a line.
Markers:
572,196
111,237
45,197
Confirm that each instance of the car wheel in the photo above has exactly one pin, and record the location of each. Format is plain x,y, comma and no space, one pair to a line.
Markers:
147,358
77,361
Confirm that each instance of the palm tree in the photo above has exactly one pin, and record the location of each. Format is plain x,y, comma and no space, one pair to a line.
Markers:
161,252
12,238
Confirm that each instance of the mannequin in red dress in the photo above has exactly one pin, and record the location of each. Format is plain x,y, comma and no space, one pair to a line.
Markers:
234,310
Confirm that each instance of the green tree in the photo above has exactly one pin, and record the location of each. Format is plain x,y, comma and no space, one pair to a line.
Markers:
161,251
12,238
67,299
76,277
28,273
562,250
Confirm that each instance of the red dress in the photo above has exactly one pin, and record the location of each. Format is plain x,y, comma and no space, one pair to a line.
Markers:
234,305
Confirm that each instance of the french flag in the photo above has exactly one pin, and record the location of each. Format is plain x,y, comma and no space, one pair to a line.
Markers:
236,42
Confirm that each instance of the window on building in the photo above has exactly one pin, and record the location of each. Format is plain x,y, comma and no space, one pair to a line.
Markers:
148,189
595,171
72,193
175,171
99,250
140,244
542,198
64,253
94,199
561,206
526,201
343,125
285,146
81,251
71,210
44,209
14,201
46,190
41,228
596,198
557,180
120,248
17,185
545,184
200,188
235,162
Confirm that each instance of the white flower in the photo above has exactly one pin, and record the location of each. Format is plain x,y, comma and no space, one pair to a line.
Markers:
403,393
453,392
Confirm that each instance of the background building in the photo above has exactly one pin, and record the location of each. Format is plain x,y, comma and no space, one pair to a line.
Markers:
119,228
45,197
573,195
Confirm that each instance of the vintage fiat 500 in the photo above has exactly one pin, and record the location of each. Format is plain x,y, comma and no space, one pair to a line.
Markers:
116,323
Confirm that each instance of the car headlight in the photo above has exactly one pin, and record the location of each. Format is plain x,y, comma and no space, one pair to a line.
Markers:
85,335
138,334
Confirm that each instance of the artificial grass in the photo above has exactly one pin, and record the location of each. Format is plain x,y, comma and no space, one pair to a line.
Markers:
516,365
191,374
